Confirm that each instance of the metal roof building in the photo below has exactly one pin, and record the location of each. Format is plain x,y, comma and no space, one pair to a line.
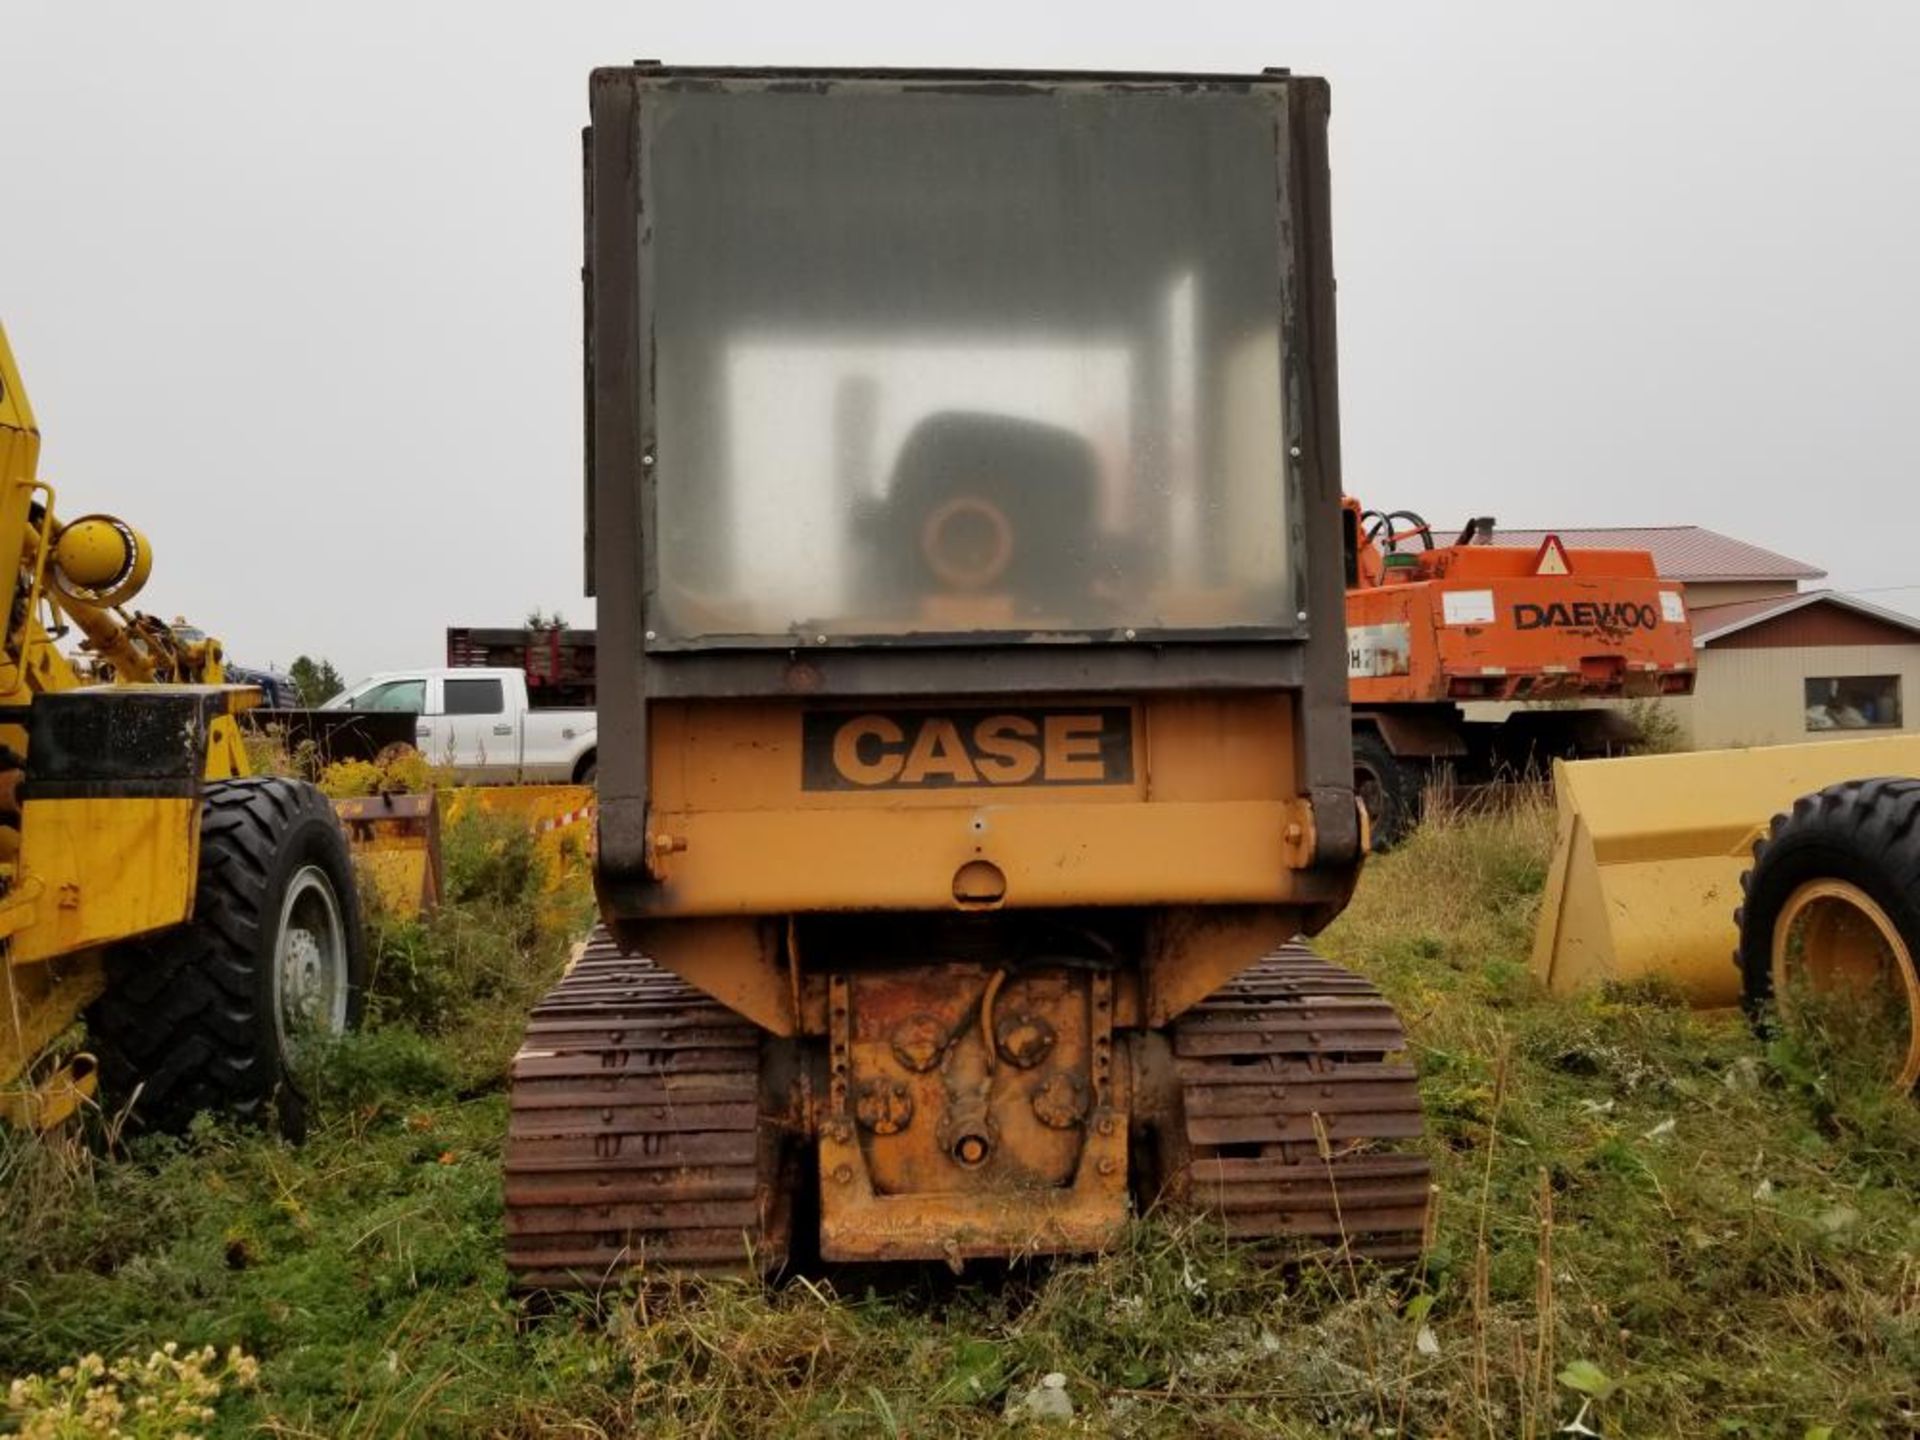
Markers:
1692,554
1795,667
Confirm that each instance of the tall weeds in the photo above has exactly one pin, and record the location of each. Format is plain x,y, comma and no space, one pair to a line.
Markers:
1647,1223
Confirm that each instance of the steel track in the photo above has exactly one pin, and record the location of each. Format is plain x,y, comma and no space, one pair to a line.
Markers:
1296,1117
636,1142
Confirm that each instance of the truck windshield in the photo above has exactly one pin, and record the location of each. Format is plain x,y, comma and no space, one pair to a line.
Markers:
388,695
936,362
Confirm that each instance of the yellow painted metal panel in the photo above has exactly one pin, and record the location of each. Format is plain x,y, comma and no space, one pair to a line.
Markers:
108,869
1649,852
47,1101
739,756
15,412
37,1003
561,818
1229,852
395,843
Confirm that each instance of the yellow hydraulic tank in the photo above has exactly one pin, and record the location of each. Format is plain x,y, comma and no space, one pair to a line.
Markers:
1649,852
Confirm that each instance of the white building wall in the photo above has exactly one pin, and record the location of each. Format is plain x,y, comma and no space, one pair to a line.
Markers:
1758,696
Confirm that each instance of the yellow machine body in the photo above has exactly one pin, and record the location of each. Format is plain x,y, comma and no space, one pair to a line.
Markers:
560,818
85,864
780,809
973,732
1076,802
774,808
395,840
1649,850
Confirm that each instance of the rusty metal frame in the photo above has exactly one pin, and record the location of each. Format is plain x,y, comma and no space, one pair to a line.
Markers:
859,1223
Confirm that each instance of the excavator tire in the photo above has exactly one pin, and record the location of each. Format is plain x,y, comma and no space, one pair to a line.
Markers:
1832,904
1388,786
209,1016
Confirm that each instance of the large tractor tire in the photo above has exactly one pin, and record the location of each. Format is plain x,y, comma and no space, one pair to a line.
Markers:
1830,927
1387,786
212,1015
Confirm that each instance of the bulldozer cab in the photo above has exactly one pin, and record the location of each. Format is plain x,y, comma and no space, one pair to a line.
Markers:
964,523
938,367
941,388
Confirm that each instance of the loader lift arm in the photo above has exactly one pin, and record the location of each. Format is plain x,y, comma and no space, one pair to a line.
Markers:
127,820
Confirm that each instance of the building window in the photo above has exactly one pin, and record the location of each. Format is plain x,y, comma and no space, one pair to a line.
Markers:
1853,702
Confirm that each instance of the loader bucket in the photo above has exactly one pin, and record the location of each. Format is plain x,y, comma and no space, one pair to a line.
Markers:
1649,851
395,840
560,817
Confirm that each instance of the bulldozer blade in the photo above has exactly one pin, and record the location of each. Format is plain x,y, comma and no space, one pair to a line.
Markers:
395,842
1649,851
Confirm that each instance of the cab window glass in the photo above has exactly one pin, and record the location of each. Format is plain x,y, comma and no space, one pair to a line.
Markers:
473,697
932,363
396,695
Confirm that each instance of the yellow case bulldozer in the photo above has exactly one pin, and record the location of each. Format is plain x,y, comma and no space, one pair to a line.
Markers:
202,921
964,517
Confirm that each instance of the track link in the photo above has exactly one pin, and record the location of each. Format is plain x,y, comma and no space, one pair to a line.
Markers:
635,1141
1294,1114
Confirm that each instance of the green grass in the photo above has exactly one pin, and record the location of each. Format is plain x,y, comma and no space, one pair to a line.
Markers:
1730,1231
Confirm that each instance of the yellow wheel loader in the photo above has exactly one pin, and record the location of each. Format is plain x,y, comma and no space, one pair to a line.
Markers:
203,922
1830,921
1664,865
964,505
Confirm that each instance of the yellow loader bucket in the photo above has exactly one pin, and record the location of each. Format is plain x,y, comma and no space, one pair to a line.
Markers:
1650,849
560,816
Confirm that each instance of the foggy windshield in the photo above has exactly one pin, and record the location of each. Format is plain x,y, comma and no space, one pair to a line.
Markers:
938,362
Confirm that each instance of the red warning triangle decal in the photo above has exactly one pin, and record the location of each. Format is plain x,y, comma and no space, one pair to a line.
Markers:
1552,559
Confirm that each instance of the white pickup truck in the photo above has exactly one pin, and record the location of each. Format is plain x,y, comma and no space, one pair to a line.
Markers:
477,723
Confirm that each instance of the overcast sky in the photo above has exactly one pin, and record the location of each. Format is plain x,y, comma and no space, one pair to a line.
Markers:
295,289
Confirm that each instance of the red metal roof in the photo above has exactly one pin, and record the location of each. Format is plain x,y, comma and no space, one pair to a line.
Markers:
1711,622
1680,552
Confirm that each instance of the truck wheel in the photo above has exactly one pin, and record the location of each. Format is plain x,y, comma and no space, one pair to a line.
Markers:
1387,786
589,765
1830,927
212,1015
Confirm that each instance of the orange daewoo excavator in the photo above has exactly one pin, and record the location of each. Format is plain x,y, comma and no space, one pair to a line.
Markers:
1541,631
964,498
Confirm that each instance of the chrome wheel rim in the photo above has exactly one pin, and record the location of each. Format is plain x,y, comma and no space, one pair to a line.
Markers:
309,962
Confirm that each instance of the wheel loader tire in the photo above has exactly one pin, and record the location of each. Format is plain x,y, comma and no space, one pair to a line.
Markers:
209,1016
1834,898
1388,786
